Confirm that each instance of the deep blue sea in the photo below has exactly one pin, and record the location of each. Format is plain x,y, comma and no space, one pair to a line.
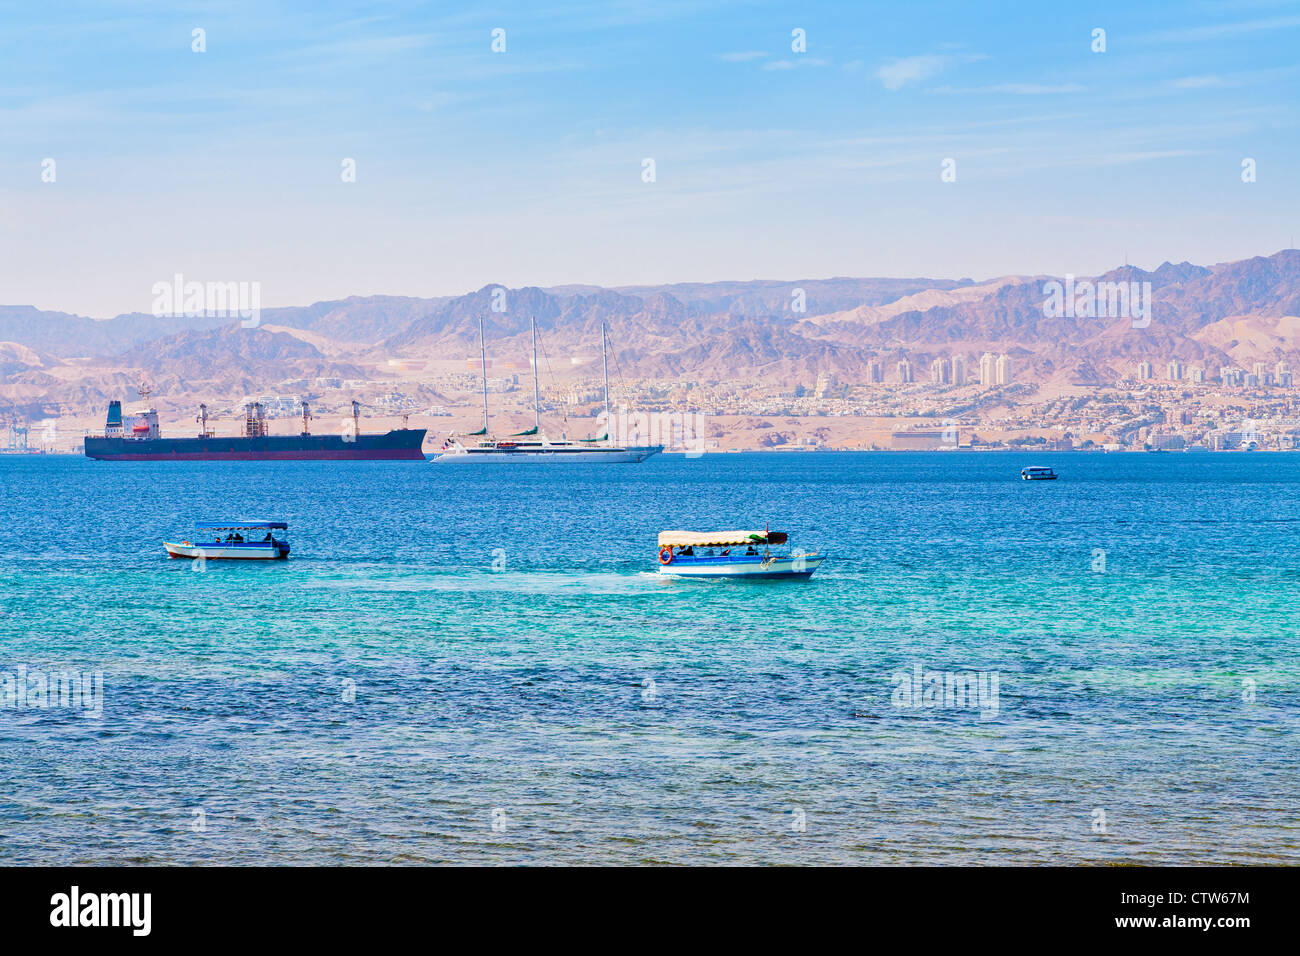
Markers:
466,664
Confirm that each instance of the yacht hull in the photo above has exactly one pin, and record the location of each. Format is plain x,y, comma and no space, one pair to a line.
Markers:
548,454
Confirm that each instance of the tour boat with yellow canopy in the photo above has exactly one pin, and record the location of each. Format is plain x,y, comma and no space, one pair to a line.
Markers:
234,541
733,554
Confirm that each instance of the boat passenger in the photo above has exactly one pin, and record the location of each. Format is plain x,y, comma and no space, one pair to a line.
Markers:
750,550
687,552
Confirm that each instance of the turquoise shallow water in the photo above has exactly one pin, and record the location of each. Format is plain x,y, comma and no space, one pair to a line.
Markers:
386,695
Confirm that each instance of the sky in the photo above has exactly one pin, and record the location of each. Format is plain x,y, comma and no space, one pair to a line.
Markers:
527,165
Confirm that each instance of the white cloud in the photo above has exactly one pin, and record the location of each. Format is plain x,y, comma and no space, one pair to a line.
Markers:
897,73
1016,89
437,101
1219,31
1123,159
793,64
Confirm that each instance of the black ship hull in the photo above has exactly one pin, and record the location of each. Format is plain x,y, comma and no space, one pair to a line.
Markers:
403,444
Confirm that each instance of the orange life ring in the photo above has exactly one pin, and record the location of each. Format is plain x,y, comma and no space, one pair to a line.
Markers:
666,554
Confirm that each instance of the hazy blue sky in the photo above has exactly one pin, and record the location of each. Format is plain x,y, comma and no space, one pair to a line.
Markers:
525,167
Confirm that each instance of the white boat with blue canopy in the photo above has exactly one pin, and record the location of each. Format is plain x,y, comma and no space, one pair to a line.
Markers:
756,555
234,541
1037,473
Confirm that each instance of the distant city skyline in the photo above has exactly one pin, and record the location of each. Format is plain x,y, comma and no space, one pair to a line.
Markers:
940,140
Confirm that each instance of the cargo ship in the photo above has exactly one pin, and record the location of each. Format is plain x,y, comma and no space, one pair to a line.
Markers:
145,442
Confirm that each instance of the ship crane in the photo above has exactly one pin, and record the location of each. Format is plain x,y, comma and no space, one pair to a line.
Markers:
18,438
203,421
306,417
254,420
17,443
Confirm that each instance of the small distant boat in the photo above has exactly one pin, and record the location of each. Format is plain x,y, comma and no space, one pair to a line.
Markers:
234,541
733,554
1037,473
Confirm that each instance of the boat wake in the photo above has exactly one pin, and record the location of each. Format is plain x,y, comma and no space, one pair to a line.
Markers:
505,582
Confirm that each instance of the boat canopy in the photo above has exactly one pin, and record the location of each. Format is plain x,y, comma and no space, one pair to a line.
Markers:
715,539
240,525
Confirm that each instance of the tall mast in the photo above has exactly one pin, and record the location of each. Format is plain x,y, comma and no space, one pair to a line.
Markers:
604,360
482,351
537,401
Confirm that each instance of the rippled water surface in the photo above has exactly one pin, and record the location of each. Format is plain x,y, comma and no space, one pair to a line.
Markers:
387,695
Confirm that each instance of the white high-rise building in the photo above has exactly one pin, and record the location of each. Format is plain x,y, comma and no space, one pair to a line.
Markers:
988,365
959,370
939,373
1004,369
905,371
1145,371
1174,370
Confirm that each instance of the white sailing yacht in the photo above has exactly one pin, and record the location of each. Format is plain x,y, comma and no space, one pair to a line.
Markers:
533,445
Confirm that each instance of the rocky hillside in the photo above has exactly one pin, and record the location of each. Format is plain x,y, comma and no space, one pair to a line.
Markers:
1230,313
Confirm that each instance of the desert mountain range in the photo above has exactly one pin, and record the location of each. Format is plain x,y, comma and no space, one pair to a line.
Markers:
1232,313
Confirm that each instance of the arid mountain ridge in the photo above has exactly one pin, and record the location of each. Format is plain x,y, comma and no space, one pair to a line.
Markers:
1228,314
